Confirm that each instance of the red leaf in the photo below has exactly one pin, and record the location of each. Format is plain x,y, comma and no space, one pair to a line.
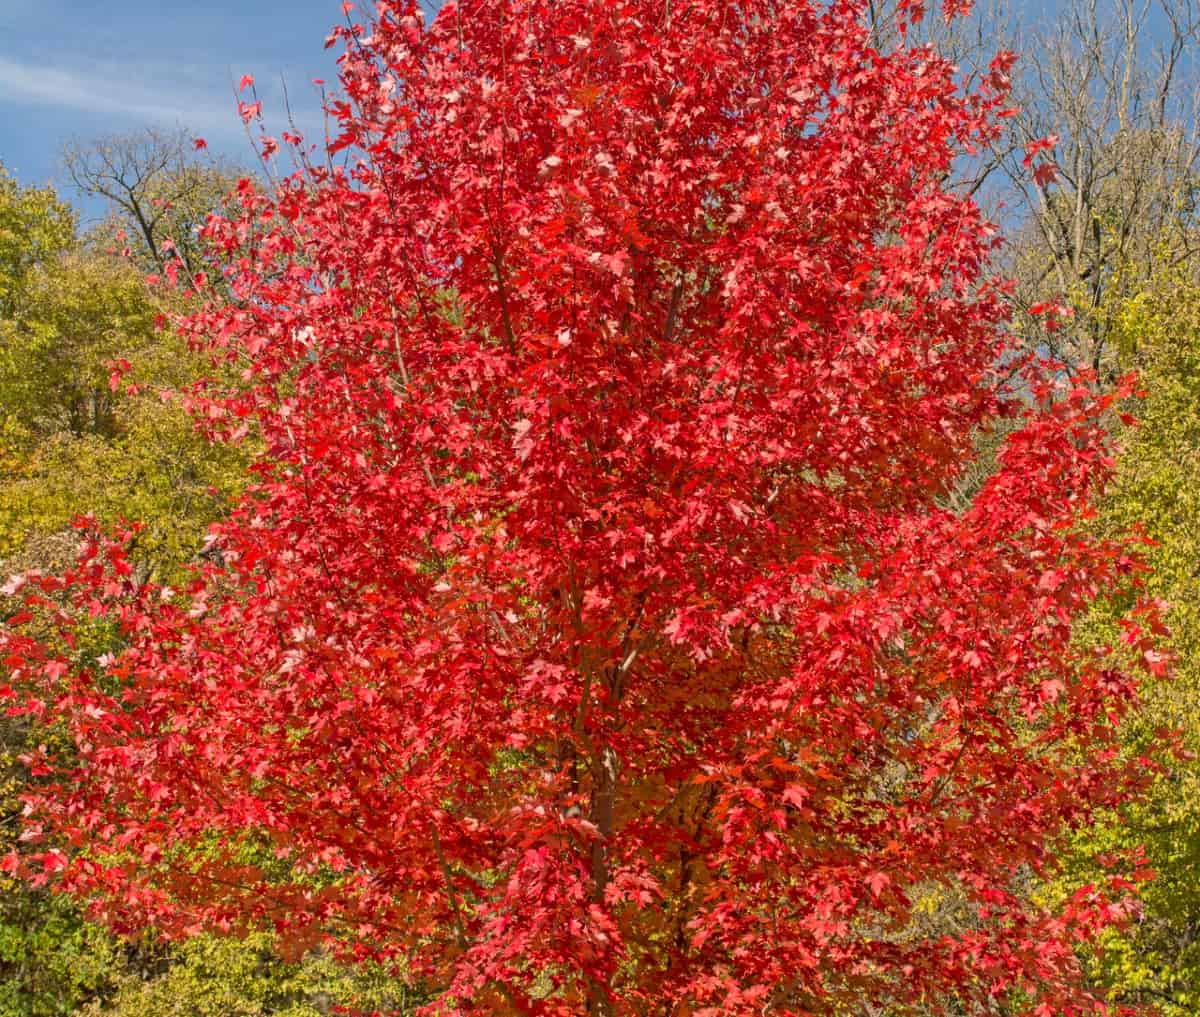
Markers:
592,618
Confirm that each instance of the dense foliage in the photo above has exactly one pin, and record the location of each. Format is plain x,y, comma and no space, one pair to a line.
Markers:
1157,490
595,635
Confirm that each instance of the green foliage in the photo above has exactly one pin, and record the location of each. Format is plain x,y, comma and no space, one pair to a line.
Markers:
222,977
51,961
69,443
77,312
1157,959
35,226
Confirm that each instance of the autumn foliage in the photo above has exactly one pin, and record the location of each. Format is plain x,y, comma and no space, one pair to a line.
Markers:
595,637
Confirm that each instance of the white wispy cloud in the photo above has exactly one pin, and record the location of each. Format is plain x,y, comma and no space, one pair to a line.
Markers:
96,89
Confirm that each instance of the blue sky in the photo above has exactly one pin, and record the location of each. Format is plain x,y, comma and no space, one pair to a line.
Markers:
76,69
80,68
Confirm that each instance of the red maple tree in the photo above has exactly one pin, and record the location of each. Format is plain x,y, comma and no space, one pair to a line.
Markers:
594,636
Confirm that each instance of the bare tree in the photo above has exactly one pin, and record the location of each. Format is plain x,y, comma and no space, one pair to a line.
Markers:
156,184
1114,84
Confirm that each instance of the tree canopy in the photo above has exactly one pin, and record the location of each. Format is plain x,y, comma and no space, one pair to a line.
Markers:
595,635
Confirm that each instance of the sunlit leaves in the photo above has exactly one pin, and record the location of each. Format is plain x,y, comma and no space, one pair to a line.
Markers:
593,635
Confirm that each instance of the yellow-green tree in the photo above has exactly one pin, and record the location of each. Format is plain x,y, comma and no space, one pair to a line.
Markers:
74,439
35,226
220,977
1156,960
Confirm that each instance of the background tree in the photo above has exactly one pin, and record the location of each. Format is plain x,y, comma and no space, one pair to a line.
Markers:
1112,233
75,439
1156,960
1113,199
158,186
35,226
